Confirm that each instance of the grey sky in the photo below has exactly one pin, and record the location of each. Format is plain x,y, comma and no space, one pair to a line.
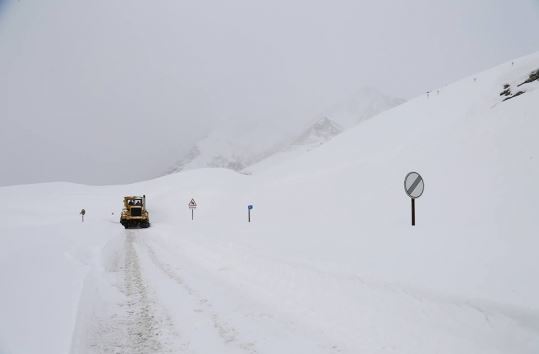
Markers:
114,91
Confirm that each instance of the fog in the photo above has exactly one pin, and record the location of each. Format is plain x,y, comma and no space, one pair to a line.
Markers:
104,92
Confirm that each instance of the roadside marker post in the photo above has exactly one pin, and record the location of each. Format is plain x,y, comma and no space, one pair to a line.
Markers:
82,213
414,187
192,205
249,208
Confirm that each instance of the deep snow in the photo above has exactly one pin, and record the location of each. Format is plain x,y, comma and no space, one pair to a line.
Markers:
330,263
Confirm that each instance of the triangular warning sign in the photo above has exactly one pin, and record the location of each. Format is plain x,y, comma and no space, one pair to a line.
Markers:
192,204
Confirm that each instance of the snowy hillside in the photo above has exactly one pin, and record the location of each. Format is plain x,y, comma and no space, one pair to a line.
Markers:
365,104
319,133
237,147
329,263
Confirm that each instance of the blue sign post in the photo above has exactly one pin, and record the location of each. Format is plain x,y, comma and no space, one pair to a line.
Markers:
249,208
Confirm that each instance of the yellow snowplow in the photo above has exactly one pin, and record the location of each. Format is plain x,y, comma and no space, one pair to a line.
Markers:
134,213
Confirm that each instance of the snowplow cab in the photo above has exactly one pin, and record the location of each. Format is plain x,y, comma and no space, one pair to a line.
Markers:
134,213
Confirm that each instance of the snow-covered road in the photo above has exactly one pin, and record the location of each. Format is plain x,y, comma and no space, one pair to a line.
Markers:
186,286
175,294
119,312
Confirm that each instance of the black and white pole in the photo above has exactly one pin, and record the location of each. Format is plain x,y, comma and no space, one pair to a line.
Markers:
414,187
249,208
192,205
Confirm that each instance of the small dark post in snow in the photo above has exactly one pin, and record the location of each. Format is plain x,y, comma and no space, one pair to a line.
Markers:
249,208
192,205
414,186
413,211
82,212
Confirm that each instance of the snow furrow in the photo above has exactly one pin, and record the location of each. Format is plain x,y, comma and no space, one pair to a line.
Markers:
228,334
121,314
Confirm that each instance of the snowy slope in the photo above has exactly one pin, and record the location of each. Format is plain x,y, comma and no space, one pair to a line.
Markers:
237,147
366,103
330,263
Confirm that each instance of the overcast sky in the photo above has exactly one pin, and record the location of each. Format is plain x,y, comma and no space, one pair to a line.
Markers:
113,91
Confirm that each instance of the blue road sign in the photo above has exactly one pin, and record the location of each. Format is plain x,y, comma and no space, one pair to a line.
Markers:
250,207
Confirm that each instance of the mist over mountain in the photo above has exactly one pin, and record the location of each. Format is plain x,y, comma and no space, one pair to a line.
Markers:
103,92
234,147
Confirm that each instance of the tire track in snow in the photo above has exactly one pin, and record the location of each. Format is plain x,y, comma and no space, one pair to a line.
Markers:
228,333
142,327
134,323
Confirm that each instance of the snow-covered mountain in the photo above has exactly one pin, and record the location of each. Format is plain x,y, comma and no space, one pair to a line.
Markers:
329,262
239,148
319,133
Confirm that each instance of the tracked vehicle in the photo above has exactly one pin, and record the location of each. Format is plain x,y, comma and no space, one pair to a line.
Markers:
134,213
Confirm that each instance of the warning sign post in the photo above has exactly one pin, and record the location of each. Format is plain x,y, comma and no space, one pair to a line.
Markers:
192,205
